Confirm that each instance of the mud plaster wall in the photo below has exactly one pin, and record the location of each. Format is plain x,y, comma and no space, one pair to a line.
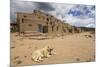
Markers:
30,22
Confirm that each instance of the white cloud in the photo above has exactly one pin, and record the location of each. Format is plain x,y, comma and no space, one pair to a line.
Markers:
60,11
79,22
85,20
91,25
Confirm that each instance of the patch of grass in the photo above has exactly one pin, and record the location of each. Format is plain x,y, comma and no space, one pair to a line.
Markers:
77,59
16,57
19,62
13,30
25,56
12,47
88,36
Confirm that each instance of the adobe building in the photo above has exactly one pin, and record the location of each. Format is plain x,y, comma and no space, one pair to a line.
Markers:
41,22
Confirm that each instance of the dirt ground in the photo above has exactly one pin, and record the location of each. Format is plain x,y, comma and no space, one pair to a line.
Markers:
71,48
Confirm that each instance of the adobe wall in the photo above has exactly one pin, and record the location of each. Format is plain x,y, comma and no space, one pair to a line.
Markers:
30,21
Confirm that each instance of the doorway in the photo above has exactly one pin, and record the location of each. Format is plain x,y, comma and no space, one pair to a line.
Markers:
40,28
45,29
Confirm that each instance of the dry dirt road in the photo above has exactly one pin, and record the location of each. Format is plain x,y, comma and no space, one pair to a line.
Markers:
70,49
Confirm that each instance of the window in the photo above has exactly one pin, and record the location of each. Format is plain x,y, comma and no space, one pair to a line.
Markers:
39,17
30,25
25,16
22,20
51,16
47,15
57,20
47,19
22,32
57,28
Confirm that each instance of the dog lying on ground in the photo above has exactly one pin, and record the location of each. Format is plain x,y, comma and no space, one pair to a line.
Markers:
40,54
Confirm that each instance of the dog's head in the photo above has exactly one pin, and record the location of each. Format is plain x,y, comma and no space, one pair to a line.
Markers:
51,50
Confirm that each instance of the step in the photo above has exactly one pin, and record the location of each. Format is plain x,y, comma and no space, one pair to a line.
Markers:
25,32
33,33
38,34
38,38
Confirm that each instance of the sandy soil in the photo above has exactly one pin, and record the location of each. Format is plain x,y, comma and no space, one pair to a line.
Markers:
71,48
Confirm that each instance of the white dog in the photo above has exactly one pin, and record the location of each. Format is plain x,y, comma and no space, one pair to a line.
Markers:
45,52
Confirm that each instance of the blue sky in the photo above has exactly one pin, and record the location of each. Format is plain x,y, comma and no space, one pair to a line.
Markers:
74,14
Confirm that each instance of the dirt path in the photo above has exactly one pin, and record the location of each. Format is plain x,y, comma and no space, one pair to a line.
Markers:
70,48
